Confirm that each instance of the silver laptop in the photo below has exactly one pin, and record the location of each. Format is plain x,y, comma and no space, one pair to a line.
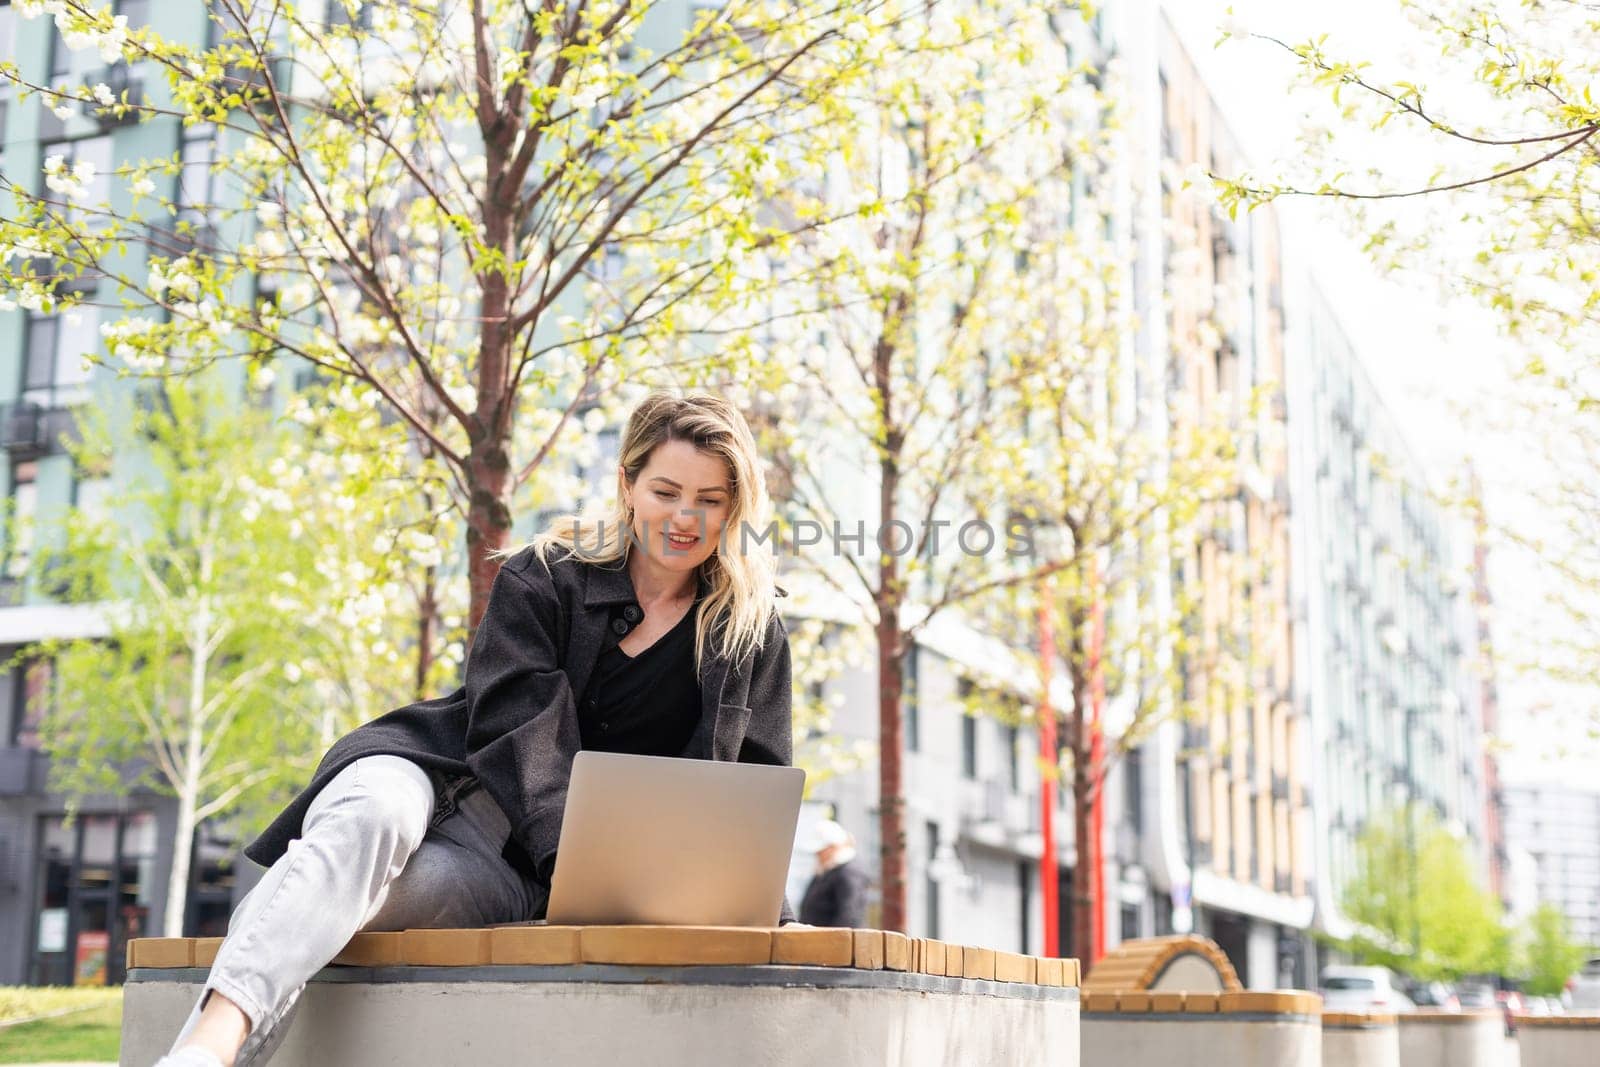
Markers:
678,842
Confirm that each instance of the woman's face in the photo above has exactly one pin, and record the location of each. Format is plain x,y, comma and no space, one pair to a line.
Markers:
681,502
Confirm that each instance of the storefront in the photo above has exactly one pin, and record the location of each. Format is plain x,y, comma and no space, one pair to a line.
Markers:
96,880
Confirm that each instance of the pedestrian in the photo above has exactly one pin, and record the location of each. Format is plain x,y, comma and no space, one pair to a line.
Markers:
651,633
837,894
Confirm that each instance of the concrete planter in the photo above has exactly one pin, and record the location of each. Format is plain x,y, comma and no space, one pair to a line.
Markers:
1452,1039
1202,1029
666,997
1559,1040
1353,1039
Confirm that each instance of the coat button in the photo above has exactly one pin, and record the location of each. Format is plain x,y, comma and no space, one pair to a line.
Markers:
605,727
619,627
632,613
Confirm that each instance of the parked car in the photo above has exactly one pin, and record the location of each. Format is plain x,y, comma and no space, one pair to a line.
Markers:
1362,989
1475,995
1540,1006
1584,987
1436,995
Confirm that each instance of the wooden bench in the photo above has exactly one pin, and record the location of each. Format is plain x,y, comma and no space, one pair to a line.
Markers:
1181,963
643,995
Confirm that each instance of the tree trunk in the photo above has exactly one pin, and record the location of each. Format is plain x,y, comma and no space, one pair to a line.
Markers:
1083,934
891,789
488,474
188,789
182,857
427,611
488,520
888,597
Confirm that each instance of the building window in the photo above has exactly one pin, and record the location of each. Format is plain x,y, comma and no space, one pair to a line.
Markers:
1130,922
137,12
8,47
30,689
24,505
1013,760
19,717
1133,783
969,745
55,369
930,885
358,16
1025,878
86,210
913,700
197,153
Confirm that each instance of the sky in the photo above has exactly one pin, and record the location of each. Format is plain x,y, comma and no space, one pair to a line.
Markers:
1440,365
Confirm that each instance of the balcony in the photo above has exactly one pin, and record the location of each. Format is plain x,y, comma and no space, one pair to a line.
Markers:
33,430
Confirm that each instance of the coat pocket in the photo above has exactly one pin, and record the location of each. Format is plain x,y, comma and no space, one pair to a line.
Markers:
732,722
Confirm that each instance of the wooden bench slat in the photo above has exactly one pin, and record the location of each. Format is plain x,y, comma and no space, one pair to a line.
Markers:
668,946
818,947
534,945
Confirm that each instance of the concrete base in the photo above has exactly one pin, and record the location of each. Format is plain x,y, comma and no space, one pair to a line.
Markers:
638,1017
1240,1040
1451,1039
1559,1041
1361,1046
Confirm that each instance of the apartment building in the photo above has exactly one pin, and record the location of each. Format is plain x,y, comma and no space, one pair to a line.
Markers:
1383,600
1558,827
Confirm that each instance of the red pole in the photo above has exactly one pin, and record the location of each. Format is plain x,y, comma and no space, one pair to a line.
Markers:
1094,854
1049,761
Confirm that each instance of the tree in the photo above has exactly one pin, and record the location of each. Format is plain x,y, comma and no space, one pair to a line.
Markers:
252,611
483,213
1417,903
181,691
1548,954
1478,170
888,353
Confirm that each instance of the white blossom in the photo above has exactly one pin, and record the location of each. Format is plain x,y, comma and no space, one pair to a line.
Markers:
1233,26
102,93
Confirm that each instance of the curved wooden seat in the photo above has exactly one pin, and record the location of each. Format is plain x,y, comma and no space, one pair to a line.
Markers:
1181,963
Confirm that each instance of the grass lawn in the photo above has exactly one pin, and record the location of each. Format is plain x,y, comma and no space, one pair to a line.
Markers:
90,1034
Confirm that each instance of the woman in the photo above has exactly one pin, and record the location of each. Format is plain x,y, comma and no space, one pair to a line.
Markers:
653,632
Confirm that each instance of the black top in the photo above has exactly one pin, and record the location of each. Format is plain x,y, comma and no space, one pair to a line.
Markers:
648,704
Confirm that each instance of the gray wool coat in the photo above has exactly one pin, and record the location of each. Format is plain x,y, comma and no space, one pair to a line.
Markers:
513,724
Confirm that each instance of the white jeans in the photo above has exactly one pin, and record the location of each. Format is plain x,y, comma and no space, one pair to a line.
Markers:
380,849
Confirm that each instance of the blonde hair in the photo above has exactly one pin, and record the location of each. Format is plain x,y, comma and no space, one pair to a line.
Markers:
740,604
